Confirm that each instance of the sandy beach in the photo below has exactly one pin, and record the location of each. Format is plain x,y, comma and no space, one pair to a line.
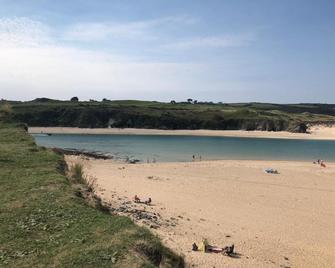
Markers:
282,220
316,132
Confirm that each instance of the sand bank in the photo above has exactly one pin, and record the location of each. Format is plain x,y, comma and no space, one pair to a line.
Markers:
284,220
316,132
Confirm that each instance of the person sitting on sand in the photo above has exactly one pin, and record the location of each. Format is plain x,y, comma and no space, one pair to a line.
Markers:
137,199
148,202
229,250
272,171
205,247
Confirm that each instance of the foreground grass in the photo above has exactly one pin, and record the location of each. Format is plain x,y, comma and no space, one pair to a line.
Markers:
43,223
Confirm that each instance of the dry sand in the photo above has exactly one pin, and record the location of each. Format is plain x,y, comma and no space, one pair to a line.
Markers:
284,220
316,132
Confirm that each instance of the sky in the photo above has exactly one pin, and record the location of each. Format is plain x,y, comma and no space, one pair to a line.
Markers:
214,50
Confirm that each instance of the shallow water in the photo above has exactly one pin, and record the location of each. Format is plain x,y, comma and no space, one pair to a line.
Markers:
182,148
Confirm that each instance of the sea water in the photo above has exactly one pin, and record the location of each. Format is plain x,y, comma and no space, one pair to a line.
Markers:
163,148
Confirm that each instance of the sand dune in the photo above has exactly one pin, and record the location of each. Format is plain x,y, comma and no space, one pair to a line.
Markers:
316,132
284,220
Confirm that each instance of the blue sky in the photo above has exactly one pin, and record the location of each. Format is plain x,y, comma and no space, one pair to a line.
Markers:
231,51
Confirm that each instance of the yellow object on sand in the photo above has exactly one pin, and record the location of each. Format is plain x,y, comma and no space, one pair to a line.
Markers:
203,245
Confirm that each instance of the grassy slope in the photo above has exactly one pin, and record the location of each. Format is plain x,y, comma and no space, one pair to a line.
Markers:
43,224
145,114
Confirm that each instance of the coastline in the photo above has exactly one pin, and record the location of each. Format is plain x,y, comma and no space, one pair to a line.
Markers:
273,220
316,132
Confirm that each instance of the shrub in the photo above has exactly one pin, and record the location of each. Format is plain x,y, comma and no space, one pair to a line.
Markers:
77,173
6,109
91,183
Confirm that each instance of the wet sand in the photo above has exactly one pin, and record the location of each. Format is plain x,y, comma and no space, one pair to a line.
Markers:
283,220
316,132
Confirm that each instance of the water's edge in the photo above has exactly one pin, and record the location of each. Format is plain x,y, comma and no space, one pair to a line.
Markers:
169,148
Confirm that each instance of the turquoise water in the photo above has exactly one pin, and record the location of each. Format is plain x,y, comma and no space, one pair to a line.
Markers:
182,148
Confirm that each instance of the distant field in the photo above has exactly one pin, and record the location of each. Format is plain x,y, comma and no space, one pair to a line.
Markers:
151,114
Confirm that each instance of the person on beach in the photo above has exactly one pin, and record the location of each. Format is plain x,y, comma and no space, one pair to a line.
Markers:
205,247
148,202
321,163
137,199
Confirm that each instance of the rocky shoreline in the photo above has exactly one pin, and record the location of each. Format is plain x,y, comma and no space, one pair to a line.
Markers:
93,154
90,154
138,212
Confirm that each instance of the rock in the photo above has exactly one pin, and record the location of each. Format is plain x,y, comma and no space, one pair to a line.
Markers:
299,128
91,154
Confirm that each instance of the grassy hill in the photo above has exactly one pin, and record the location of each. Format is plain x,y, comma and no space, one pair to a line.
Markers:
147,114
44,224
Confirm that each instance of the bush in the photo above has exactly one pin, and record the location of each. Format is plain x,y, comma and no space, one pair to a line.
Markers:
6,110
77,173
91,183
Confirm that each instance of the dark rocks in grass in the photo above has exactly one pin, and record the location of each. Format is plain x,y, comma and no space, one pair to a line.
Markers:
62,167
71,151
153,252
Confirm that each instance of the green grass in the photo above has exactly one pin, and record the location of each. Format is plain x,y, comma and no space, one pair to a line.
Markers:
152,114
44,224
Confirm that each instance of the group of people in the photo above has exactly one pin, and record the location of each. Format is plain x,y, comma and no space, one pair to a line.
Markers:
138,200
271,171
152,161
320,162
205,247
194,157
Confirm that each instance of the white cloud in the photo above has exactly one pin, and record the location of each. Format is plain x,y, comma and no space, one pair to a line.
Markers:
60,72
23,32
33,65
97,31
153,30
234,40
